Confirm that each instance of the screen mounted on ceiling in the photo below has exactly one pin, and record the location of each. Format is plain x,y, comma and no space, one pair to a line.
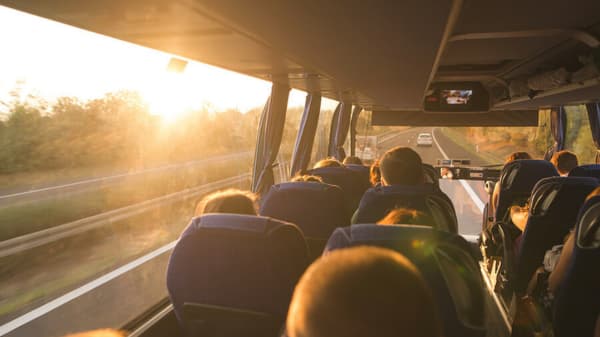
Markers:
457,97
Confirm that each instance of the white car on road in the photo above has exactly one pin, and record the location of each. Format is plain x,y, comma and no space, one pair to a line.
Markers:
424,139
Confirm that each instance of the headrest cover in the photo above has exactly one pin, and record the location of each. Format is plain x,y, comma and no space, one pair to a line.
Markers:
237,261
592,170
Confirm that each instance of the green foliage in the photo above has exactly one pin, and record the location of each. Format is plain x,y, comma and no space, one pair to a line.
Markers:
116,129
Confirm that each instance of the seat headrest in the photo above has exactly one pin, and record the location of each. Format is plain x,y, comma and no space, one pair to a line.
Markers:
237,261
517,180
439,256
378,201
592,170
553,196
314,207
555,204
588,224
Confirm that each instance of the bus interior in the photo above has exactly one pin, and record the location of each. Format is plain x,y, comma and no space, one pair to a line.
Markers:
416,66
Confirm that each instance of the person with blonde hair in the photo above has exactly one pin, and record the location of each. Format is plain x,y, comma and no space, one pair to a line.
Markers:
406,216
228,201
328,162
362,292
308,178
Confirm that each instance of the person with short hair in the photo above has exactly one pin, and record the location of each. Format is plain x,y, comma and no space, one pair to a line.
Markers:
352,160
228,201
328,162
564,161
406,216
401,166
362,292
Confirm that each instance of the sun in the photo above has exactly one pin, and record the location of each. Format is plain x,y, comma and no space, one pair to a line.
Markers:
169,95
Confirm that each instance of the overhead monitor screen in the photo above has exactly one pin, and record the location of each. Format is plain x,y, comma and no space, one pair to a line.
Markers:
457,96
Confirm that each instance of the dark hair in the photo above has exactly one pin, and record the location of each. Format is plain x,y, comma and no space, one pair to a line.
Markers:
406,216
328,162
564,161
401,165
517,156
352,160
228,201
375,173
308,177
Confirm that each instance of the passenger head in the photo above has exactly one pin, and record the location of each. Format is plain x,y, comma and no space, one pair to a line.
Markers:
352,160
228,201
98,333
308,177
328,162
401,166
517,156
406,216
564,161
375,173
361,292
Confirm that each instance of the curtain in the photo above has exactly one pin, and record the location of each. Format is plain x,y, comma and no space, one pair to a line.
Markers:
270,131
558,127
593,110
306,134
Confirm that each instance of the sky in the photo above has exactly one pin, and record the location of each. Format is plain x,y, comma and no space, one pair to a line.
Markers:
51,59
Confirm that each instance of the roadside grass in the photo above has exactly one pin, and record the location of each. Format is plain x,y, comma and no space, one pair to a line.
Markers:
29,217
468,145
32,277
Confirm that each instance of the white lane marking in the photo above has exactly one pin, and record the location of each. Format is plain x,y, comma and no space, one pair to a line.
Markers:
46,308
476,199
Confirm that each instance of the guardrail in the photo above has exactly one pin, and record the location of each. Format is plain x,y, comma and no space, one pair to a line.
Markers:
39,238
88,183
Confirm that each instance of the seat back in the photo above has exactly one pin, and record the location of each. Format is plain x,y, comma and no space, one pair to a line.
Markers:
517,180
592,171
555,203
314,207
432,175
378,201
236,262
365,171
445,262
353,183
576,304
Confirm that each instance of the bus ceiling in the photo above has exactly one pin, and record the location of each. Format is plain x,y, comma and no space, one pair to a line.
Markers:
381,55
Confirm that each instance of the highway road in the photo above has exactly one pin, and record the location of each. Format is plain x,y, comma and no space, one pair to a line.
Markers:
119,295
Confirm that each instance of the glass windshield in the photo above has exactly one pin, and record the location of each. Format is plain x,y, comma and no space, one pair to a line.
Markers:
104,155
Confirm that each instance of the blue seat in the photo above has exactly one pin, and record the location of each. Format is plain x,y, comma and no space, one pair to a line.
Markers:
555,203
517,180
577,300
592,170
365,171
378,201
445,262
432,175
314,207
353,183
234,263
